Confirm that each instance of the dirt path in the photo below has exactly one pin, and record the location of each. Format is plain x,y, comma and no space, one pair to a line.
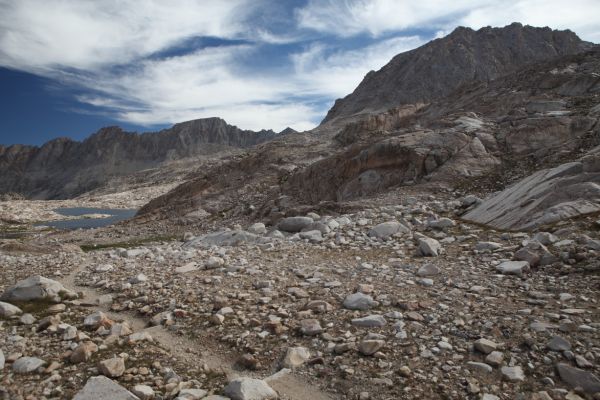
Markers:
289,386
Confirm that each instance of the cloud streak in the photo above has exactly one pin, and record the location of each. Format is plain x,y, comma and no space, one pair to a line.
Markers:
257,65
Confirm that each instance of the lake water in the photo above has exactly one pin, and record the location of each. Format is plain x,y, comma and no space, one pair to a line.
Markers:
116,215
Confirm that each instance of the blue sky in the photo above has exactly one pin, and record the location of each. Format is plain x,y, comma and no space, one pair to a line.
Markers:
69,67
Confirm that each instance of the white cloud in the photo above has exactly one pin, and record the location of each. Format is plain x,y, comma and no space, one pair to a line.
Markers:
40,35
201,84
576,15
321,71
104,48
376,17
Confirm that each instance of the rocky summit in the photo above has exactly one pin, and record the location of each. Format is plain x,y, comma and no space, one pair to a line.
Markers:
437,237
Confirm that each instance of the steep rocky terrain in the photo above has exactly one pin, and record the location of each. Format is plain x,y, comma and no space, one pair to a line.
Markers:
448,250
480,138
64,168
439,67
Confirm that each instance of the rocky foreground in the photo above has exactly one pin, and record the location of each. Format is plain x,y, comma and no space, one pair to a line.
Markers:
403,300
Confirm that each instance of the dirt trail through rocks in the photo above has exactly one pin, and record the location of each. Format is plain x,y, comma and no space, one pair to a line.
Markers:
289,386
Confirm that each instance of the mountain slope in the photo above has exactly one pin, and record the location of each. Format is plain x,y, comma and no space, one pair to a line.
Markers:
63,168
437,68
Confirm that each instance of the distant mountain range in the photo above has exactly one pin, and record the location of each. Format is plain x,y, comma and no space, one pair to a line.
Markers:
63,168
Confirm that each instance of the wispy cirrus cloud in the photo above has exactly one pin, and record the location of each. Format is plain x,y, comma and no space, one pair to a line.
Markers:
255,63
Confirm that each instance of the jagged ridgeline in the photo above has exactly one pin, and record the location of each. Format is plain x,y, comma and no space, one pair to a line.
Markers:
439,67
63,168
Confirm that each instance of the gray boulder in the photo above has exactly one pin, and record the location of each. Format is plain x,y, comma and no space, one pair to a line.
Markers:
36,288
7,310
249,389
103,388
387,229
428,247
312,236
359,301
513,268
25,365
294,224
576,377
2,359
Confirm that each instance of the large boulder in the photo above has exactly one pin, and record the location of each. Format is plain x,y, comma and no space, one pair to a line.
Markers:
37,288
294,224
387,229
103,388
576,377
545,197
249,389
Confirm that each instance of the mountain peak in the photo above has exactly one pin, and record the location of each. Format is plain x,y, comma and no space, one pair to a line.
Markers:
439,67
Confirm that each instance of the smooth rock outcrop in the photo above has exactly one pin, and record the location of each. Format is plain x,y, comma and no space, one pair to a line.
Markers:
545,197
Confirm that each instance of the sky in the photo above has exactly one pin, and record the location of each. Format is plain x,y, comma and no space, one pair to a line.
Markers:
70,67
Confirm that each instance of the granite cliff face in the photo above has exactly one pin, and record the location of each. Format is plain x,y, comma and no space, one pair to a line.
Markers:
437,68
63,168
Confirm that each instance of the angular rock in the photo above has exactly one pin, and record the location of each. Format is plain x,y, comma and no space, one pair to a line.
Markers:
313,236
485,346
370,347
479,367
294,224
83,352
257,228
359,301
249,389
7,310
513,374
113,367
513,267
103,388
310,327
558,343
428,270
25,365
214,262
387,229
97,319
295,357
144,392
489,246
2,360
428,247
37,288
495,358
370,321
576,377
